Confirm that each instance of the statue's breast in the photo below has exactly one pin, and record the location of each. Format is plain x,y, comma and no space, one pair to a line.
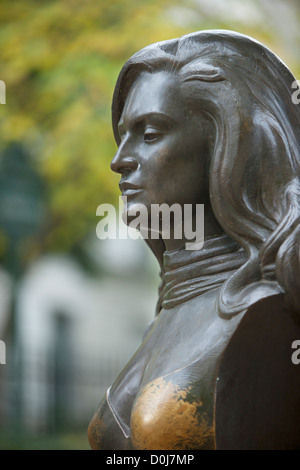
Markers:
173,408
175,411
164,397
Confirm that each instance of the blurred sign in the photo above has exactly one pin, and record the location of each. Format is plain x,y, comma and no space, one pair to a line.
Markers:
21,216
21,194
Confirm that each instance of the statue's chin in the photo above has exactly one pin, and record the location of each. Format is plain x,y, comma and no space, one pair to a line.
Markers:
141,224
135,213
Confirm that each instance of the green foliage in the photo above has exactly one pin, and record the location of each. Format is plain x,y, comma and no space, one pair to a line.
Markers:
67,441
60,60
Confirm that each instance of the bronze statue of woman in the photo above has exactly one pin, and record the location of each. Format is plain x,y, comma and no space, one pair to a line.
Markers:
208,119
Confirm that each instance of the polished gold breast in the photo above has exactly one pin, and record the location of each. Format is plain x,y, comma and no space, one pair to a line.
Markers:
166,416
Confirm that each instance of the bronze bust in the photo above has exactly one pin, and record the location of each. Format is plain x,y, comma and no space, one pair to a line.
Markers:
208,118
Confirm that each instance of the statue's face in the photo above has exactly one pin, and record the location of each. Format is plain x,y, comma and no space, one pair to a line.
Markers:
163,156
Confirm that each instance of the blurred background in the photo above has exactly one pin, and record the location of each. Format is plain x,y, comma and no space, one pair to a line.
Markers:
73,308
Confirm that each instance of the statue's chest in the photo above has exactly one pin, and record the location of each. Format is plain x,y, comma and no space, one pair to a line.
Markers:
165,395
191,333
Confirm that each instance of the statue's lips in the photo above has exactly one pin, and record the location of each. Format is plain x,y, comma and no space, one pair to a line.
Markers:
128,189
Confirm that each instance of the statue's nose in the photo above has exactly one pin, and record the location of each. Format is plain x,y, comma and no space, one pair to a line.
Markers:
123,161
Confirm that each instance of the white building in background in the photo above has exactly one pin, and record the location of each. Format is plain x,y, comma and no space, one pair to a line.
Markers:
77,331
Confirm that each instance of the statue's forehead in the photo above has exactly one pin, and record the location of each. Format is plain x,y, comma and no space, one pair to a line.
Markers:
157,92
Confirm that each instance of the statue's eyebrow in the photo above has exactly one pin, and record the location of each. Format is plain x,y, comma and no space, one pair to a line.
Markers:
155,117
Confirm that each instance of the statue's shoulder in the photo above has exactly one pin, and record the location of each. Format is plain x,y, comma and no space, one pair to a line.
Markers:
258,386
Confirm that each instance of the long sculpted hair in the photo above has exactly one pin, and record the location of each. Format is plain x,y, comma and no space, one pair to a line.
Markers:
246,93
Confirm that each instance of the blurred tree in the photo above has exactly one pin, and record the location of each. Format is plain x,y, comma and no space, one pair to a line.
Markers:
273,22
60,60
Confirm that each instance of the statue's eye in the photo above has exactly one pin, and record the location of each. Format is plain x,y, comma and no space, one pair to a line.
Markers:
150,135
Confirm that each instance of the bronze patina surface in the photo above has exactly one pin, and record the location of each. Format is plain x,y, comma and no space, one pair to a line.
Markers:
208,119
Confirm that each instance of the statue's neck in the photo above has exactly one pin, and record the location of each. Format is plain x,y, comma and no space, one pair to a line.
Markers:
195,228
188,274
